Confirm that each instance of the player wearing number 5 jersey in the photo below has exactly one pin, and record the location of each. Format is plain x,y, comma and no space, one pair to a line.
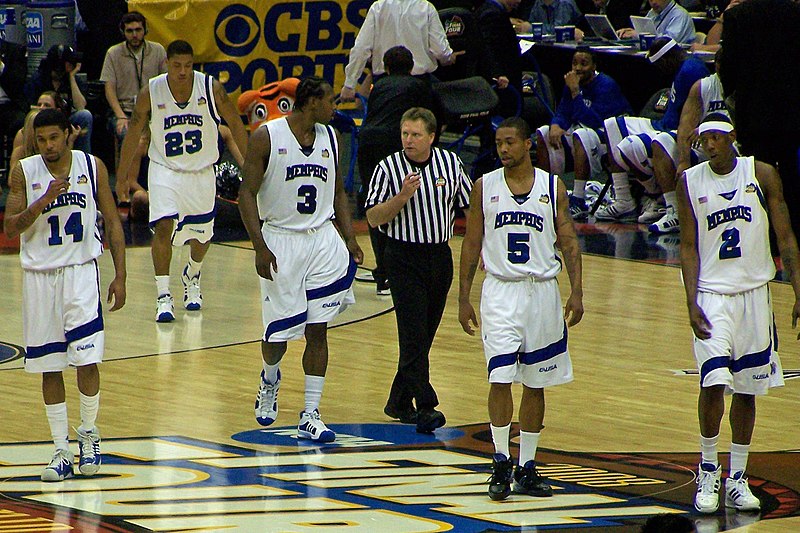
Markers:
53,207
725,207
520,215
293,186
183,109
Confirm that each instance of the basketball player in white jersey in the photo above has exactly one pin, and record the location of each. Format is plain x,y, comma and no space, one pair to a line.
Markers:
524,212
293,186
53,207
726,206
672,150
183,110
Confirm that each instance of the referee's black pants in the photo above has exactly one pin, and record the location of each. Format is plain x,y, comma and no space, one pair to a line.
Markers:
419,276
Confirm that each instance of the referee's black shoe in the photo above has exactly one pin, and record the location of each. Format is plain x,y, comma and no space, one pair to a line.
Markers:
405,416
429,419
528,481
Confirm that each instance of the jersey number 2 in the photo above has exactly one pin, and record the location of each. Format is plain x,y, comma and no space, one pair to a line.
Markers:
176,142
519,250
308,205
74,227
730,244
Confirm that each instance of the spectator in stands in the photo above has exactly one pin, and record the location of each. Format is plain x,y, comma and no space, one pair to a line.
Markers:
618,11
414,24
391,96
713,40
550,13
630,138
47,100
760,70
671,20
127,68
58,72
13,69
589,97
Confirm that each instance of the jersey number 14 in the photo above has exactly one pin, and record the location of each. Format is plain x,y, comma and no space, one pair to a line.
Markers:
74,227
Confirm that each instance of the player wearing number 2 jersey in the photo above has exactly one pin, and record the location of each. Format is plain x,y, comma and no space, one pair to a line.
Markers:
53,206
725,207
292,185
184,109
519,215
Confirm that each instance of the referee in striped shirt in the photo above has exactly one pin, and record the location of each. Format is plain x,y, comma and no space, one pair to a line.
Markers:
412,197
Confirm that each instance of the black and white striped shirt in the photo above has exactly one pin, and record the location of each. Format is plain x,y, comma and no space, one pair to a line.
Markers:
429,215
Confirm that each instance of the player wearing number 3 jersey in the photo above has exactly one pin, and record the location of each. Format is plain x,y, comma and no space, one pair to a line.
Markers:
184,109
305,266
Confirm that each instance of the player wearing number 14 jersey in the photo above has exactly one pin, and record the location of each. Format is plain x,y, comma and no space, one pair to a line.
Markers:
184,109
726,206
292,185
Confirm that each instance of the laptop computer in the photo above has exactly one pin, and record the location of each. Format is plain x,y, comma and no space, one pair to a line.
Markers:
644,25
602,27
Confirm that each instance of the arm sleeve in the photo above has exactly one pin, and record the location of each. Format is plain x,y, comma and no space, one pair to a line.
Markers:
465,184
437,39
361,51
108,73
687,75
565,112
680,27
378,186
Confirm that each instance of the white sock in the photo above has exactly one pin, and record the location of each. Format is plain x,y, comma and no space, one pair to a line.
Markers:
193,268
500,439
671,199
271,371
708,450
528,443
162,285
313,391
739,454
650,186
59,424
89,407
622,187
579,189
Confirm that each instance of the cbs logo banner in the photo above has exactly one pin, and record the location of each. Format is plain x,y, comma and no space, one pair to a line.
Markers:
245,45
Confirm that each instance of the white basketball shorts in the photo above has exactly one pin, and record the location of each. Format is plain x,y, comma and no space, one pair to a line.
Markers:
313,282
563,158
186,197
631,136
524,334
742,351
62,318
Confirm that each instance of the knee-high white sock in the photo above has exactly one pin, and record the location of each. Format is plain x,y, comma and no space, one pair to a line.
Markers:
162,285
500,439
622,187
59,424
579,189
708,450
670,199
528,442
271,371
313,391
89,407
739,453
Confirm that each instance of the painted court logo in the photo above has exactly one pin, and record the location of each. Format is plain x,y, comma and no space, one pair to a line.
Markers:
267,480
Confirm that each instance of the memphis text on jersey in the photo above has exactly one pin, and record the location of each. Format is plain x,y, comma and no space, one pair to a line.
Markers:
67,199
307,170
180,120
519,218
738,212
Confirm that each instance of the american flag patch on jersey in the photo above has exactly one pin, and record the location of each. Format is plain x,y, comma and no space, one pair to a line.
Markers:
36,186
281,151
703,199
494,199
161,106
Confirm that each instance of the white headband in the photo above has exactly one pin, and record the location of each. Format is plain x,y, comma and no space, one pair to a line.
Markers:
715,125
664,49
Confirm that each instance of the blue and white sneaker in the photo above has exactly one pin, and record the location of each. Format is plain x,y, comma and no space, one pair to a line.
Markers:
89,446
618,211
267,401
60,467
165,308
312,427
192,297
578,209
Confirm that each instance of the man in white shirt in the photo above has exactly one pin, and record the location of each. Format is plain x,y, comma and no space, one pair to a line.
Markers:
414,24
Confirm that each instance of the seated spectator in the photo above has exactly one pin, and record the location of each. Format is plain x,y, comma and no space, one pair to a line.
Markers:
24,140
671,20
550,13
713,40
47,100
589,97
58,72
630,138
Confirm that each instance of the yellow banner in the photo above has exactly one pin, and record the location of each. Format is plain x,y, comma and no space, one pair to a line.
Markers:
247,44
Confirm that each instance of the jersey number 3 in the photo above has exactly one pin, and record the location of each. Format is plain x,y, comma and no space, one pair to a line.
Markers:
308,203
176,142
74,227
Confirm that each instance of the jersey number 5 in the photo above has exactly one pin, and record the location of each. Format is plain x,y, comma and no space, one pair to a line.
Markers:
730,244
176,142
74,227
519,250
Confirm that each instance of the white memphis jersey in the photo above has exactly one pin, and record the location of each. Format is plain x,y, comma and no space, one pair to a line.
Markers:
732,228
183,137
519,240
66,232
712,97
299,185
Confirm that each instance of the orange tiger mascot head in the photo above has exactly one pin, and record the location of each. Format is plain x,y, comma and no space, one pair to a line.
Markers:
273,100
